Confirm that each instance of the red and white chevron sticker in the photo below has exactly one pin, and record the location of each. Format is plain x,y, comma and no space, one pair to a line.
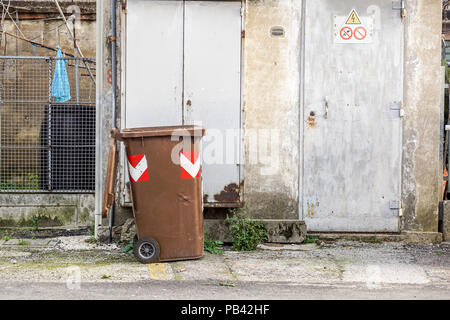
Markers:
138,168
190,165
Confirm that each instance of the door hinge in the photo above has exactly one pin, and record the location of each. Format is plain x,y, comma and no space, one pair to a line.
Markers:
124,4
243,34
396,205
399,5
398,106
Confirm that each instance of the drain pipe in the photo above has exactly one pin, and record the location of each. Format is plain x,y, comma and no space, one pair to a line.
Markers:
114,96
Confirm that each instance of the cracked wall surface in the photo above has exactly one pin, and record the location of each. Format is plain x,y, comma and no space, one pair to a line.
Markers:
421,170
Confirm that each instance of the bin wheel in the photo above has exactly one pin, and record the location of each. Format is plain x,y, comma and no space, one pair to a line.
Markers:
146,250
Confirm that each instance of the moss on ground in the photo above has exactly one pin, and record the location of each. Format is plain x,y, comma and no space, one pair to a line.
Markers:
57,259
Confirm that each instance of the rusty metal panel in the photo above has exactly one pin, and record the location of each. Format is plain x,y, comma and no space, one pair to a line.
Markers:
212,91
352,111
154,63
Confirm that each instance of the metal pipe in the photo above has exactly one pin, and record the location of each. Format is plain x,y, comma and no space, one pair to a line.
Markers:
113,60
49,124
77,80
44,102
301,108
448,146
114,88
45,58
99,123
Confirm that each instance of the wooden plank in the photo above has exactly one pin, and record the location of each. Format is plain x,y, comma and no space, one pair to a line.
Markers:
108,196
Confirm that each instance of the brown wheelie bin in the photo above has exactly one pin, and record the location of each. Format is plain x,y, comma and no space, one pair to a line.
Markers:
164,167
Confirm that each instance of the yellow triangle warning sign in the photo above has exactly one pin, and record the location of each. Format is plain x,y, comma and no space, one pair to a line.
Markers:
353,18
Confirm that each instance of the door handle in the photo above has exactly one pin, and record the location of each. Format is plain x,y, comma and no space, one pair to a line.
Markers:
326,108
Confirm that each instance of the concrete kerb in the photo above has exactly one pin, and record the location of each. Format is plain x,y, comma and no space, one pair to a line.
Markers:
29,243
294,232
279,231
406,237
43,232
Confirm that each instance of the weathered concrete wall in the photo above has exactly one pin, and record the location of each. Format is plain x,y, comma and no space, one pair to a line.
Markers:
39,21
104,98
53,210
50,33
446,221
421,186
279,231
271,87
104,103
271,108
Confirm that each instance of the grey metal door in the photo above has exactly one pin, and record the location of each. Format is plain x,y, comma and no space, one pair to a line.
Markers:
212,92
154,63
352,115
183,66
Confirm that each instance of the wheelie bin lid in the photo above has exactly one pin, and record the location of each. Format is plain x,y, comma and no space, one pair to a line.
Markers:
188,130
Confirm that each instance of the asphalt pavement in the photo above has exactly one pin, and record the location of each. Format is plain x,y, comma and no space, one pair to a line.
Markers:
71,268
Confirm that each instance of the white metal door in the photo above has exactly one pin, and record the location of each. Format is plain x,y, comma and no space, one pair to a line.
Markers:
352,123
212,91
154,63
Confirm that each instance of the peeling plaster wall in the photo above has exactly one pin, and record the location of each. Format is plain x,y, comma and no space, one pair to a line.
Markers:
104,103
421,175
271,108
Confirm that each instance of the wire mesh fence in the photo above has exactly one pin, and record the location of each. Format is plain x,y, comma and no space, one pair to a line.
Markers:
47,140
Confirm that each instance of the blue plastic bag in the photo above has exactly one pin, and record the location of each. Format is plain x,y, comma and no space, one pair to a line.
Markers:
60,84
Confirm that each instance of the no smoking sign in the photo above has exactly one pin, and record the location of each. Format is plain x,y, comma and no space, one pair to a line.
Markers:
353,28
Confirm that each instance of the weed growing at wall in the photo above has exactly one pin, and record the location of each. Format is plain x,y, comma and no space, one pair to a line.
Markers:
246,233
35,221
90,240
310,239
91,230
212,246
128,248
22,242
